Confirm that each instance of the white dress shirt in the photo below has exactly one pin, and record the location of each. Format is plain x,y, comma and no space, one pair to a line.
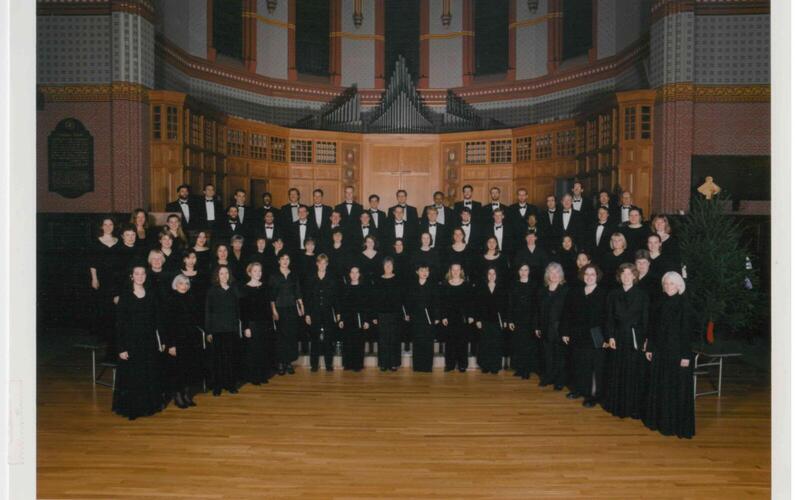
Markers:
467,228
577,203
566,216
374,214
398,229
241,209
303,228
498,233
624,213
184,204
269,230
210,215
318,215
599,233
440,214
295,207
432,232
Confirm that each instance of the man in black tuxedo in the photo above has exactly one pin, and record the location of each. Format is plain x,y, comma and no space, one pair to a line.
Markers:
517,215
269,229
492,205
581,203
211,214
398,228
290,212
570,222
502,232
266,206
604,200
444,215
186,207
467,201
326,233
409,212
350,210
622,212
598,235
437,230
320,214
536,257
378,218
246,213
302,228
231,226
548,225
362,230
473,233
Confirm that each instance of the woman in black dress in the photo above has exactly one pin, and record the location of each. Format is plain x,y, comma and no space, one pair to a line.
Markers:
567,256
221,256
254,305
202,251
459,253
522,323
648,280
669,405
260,254
492,258
369,261
427,256
660,264
274,251
554,343
199,280
174,227
389,306
138,387
222,329
584,321
456,307
321,295
491,301
670,248
635,231
307,264
144,234
355,320
159,279
422,310
237,259
286,298
626,322
182,338
611,261
582,260
103,255
339,255
172,257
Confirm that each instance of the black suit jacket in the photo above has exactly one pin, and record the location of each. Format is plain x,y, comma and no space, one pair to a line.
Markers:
356,238
587,206
449,216
286,220
476,232
597,250
411,214
410,235
261,232
295,245
350,220
261,211
382,219
537,261
250,216
194,214
575,228
548,231
487,211
507,245
442,239
226,231
219,215
520,222
326,217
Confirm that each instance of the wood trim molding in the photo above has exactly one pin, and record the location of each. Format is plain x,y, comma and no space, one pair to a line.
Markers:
211,52
555,26
335,43
713,93
117,91
249,35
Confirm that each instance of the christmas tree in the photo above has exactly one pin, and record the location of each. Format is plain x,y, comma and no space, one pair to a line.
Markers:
721,284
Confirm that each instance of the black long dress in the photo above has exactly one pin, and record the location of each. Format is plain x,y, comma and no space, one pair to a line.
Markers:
138,390
371,268
466,258
222,316
456,308
551,309
671,249
432,260
669,404
203,260
626,323
321,300
257,316
636,237
490,306
389,294
609,264
500,264
422,305
522,311
355,311
183,322
103,259
567,259
285,291
582,313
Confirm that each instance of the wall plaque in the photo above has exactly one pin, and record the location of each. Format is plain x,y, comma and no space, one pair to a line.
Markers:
70,159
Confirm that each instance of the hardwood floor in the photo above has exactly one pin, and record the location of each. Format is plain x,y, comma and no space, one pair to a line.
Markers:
394,435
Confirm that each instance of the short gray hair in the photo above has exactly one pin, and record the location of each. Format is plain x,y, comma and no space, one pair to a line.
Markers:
675,278
554,266
181,278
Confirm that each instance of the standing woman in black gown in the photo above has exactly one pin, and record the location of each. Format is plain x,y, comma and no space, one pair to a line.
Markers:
237,258
551,309
649,281
286,298
138,388
355,320
370,261
255,321
222,329
182,339
144,234
611,261
321,295
172,257
103,254
522,323
490,305
459,253
159,279
669,406
221,256
626,323
635,231
202,251
670,248
422,310
567,256
199,280
427,256
494,258
180,241
456,306
584,322
389,306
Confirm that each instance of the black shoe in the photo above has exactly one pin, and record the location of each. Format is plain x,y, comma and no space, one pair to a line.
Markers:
484,370
290,370
179,402
328,368
315,368
558,387
573,395
495,372
462,370
525,377
217,392
589,403
281,370
233,391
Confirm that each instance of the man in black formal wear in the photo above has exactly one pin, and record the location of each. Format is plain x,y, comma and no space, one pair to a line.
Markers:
302,229
517,216
598,236
350,210
492,205
581,203
365,228
290,212
266,206
231,226
246,213
536,257
604,200
467,201
186,207
444,215
437,230
320,214
409,212
502,232
269,229
399,228
622,212
211,214
376,214
548,225
472,231
570,222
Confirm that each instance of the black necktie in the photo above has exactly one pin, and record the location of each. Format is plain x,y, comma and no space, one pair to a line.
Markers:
302,223
398,223
498,227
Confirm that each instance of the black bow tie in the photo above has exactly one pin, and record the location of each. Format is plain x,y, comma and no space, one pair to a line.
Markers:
551,211
403,206
295,205
209,201
467,203
566,211
317,206
498,227
364,227
183,202
432,225
239,206
577,200
466,224
495,205
348,203
626,208
373,211
268,227
302,223
601,223
398,223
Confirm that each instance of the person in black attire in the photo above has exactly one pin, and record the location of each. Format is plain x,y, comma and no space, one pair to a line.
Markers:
290,212
493,258
103,257
604,201
491,301
422,310
231,226
260,254
198,279
532,225
459,253
266,206
256,321
669,404
389,305
670,248
269,230
211,215
660,263
321,295
534,256
182,338
438,231
583,325
518,214
549,222
570,222
397,228
598,236
271,255
503,234
128,254
427,256
444,215
409,213
369,261
579,202
582,260
301,229
333,225
522,323
174,227
627,320
247,216
203,252
159,278
320,214
362,231
551,308
172,256
456,309
635,231
222,329
138,387
286,298
186,207
467,201
473,231
355,320
649,281
402,262
340,257
350,210
487,211
611,261
566,256
305,266
378,219
237,258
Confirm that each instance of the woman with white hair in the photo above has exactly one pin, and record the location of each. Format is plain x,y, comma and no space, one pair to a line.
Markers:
182,340
669,405
610,261
551,307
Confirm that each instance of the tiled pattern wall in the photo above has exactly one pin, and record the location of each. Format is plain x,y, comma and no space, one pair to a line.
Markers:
531,41
272,44
672,49
358,56
184,23
132,41
73,49
732,49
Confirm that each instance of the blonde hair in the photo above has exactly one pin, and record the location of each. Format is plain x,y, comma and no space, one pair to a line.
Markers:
667,228
677,279
154,253
618,235
449,275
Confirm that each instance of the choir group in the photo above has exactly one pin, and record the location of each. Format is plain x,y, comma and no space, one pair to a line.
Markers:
583,294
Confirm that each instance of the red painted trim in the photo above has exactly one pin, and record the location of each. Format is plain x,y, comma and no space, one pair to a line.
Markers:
511,73
292,55
425,44
380,30
555,26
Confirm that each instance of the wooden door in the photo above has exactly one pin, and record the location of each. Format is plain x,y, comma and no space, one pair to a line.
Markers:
393,162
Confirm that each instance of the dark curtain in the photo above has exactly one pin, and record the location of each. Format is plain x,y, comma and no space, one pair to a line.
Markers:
491,36
401,25
313,36
577,27
228,28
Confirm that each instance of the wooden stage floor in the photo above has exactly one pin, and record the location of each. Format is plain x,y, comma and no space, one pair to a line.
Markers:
396,435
